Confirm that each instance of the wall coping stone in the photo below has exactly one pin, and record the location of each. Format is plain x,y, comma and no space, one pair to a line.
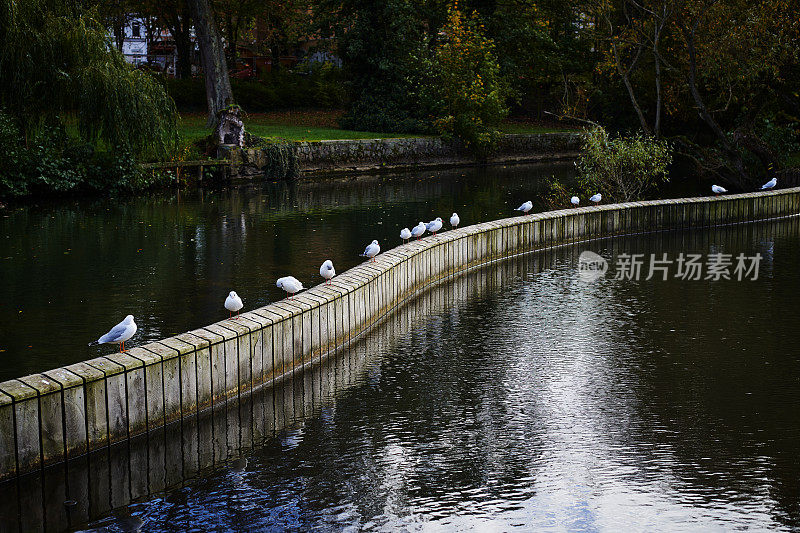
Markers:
18,389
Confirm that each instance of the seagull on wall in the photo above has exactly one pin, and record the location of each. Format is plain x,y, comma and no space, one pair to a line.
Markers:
770,184
371,250
118,334
434,225
233,304
418,230
291,285
526,207
327,271
454,220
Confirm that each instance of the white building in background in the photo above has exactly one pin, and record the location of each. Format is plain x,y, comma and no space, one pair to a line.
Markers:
134,47
157,52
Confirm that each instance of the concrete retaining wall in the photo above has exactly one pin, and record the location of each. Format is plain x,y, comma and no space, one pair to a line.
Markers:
326,157
69,411
149,464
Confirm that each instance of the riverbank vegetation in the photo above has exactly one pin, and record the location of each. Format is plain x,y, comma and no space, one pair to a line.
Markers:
57,71
622,169
321,125
718,79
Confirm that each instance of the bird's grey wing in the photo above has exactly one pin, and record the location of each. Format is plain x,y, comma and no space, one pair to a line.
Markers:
115,334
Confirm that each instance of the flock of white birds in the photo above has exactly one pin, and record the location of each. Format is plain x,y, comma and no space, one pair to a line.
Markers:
233,303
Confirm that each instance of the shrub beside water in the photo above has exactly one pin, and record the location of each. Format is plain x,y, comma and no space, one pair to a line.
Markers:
319,86
52,162
623,169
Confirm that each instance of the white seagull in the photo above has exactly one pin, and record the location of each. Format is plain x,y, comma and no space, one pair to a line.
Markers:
372,250
454,220
405,234
118,334
291,285
418,230
770,184
596,198
716,189
233,304
434,225
527,206
327,271
575,201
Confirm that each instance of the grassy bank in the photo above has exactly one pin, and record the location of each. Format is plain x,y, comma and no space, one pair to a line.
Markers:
321,125
284,126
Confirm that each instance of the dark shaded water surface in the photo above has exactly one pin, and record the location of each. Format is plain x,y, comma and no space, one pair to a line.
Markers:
72,269
516,397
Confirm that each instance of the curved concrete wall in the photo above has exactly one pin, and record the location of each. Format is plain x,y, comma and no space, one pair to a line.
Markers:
69,411
151,463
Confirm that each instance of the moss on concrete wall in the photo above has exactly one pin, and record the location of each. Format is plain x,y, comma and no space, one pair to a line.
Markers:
279,161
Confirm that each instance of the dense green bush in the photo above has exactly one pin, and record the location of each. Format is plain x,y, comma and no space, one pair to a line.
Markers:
622,168
781,140
52,162
376,113
409,77
254,96
312,86
385,48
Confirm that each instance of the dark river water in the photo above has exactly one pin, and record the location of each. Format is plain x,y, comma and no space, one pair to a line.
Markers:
72,269
517,397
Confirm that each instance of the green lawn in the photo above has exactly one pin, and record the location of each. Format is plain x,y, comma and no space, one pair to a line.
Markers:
314,133
284,126
322,125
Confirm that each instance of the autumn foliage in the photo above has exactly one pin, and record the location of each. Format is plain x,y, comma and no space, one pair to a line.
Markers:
468,88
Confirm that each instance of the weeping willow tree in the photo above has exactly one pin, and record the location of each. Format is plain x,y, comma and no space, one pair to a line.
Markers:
57,67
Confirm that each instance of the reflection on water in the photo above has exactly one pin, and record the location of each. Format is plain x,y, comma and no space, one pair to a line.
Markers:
70,270
517,396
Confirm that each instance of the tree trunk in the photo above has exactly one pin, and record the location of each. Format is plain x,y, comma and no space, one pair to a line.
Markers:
276,56
184,46
232,35
179,23
733,154
119,32
212,59
657,63
150,31
625,74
